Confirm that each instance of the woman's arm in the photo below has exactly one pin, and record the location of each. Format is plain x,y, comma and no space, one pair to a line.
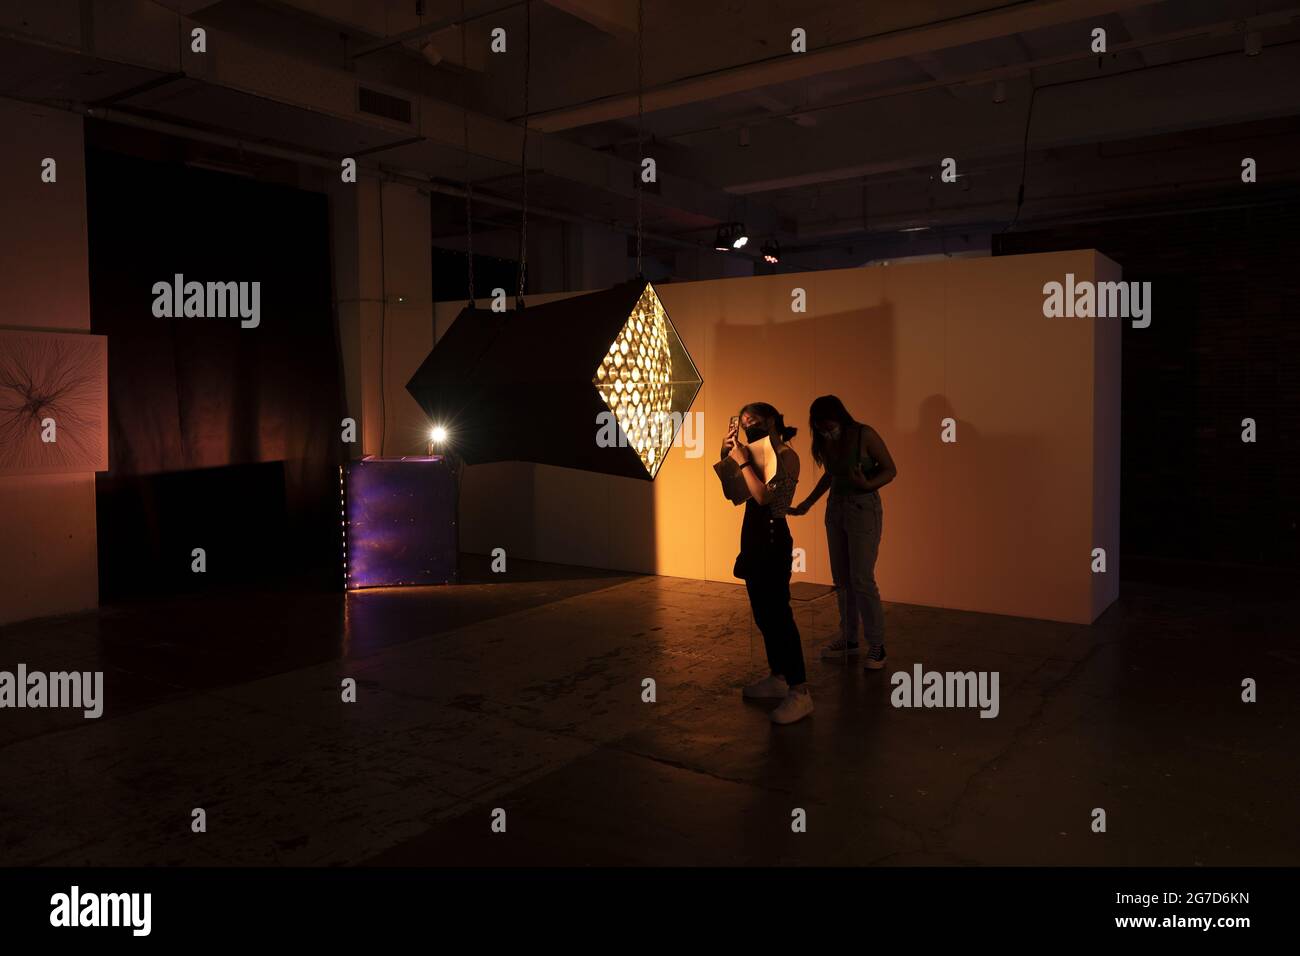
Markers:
886,471
757,490
819,489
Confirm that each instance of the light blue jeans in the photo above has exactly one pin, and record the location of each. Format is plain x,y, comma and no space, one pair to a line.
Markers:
853,525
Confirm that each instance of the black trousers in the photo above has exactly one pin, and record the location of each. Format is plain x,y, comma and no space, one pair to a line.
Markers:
764,563
769,598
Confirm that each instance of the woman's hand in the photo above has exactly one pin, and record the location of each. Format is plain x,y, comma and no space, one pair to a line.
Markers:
857,477
729,442
738,453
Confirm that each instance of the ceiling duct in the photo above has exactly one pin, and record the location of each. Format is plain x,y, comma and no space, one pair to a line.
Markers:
377,103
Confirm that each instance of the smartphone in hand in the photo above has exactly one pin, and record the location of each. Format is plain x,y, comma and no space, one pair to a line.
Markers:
729,442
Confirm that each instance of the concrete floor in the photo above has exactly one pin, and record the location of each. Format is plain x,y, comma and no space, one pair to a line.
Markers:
525,694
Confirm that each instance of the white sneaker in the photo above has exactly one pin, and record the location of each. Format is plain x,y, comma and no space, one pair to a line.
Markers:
796,706
770,687
837,649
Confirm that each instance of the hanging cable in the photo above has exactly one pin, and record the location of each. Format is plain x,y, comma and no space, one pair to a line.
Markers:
1024,155
523,157
640,111
469,186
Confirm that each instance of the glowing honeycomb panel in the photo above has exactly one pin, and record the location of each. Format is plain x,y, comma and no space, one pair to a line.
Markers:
648,380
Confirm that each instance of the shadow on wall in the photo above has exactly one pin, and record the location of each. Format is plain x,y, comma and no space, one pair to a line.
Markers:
968,496
814,356
865,382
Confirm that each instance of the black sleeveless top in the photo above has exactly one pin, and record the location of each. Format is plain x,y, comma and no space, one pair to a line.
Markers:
854,453
765,540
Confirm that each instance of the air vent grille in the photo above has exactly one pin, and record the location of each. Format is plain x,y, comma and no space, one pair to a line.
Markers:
383,104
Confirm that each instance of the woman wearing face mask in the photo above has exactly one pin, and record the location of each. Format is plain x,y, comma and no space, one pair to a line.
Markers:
764,560
857,465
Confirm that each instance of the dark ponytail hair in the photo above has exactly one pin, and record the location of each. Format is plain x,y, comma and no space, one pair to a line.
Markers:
828,408
764,410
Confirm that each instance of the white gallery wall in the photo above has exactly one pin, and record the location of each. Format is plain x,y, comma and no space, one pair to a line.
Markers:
1005,519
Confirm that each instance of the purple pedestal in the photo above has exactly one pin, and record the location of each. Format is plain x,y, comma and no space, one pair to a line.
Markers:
399,521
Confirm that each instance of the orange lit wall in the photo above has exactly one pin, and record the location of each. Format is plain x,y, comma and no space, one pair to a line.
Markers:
1004,520
48,557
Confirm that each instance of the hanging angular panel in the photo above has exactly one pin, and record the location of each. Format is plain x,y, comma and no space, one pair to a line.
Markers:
540,384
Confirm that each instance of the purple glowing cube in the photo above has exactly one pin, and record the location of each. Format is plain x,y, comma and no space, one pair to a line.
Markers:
399,521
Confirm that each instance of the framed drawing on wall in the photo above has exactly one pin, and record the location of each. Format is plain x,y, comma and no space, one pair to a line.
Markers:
53,402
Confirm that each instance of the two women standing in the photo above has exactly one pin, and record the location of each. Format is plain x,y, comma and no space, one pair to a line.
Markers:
857,464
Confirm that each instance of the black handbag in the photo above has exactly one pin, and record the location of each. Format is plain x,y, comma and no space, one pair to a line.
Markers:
738,569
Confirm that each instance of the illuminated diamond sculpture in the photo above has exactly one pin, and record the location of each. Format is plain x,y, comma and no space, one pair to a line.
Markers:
648,380
539,384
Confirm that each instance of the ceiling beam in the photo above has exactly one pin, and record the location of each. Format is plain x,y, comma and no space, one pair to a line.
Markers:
788,67
614,17
977,128
262,89
424,30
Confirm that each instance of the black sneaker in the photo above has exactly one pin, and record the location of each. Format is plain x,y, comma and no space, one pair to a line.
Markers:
875,659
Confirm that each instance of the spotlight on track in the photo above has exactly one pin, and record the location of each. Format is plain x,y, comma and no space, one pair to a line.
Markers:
731,235
771,252
437,434
1254,44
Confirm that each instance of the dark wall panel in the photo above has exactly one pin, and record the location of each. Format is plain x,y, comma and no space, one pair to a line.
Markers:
221,437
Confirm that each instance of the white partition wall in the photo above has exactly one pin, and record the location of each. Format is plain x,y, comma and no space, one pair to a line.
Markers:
1004,519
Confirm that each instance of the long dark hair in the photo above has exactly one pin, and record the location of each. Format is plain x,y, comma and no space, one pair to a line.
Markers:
828,408
764,410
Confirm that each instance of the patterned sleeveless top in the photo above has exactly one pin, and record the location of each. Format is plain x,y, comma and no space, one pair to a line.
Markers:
782,488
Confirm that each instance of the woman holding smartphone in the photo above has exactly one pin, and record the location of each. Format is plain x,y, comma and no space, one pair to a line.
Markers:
857,466
764,560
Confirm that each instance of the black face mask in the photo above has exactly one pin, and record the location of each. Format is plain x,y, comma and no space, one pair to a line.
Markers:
755,433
